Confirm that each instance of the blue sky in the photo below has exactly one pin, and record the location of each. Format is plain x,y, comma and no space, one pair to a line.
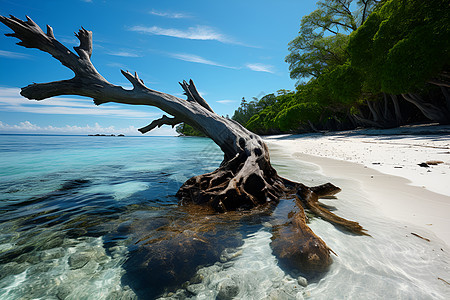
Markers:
231,49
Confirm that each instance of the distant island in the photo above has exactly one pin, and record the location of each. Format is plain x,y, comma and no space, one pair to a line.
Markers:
105,134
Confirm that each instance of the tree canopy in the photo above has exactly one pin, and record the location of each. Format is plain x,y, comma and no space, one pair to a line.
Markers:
403,45
356,63
323,37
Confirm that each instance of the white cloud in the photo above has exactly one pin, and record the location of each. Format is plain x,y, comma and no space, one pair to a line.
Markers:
10,100
171,15
125,54
14,55
197,59
117,65
226,101
28,127
260,68
192,33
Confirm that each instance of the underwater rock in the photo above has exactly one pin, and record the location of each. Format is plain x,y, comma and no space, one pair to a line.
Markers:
64,290
79,259
228,289
42,267
125,294
52,253
279,295
197,279
302,281
229,254
12,268
90,268
195,288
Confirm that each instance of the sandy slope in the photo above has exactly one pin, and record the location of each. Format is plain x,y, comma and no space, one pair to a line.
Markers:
387,165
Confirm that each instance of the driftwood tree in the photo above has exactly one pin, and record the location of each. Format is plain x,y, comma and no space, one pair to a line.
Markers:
245,178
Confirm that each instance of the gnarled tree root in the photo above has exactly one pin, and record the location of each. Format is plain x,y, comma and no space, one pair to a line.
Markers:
294,243
298,247
244,183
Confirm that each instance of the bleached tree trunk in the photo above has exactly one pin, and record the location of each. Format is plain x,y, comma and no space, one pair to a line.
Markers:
244,180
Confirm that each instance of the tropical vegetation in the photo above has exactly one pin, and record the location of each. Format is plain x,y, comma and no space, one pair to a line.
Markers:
361,63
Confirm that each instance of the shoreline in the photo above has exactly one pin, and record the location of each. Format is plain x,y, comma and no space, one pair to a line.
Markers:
420,202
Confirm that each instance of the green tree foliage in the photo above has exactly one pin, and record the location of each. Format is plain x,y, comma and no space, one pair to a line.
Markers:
344,84
293,117
321,55
264,122
402,45
322,40
248,109
398,48
187,130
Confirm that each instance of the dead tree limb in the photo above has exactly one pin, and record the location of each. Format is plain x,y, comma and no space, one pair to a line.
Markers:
244,180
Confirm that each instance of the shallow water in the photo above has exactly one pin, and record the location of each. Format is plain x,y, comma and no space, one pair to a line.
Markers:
79,217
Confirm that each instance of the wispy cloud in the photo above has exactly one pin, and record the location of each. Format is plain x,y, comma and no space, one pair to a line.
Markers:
28,127
170,15
14,55
192,33
117,65
10,100
68,40
226,101
260,68
125,54
198,59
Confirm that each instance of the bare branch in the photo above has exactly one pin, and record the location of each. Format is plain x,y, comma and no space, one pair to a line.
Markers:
439,82
32,36
134,80
85,48
164,120
50,32
193,95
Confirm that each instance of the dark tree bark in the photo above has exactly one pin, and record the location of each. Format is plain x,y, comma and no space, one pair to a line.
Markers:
398,114
383,117
244,180
374,112
446,94
432,112
386,113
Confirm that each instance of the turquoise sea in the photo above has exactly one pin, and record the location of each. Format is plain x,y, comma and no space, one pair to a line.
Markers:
85,217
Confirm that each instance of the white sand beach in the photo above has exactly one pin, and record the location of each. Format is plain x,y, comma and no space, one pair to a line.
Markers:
389,164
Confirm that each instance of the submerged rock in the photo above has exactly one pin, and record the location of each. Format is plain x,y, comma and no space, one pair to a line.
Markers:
228,289
195,288
79,260
12,268
52,253
229,254
302,281
280,295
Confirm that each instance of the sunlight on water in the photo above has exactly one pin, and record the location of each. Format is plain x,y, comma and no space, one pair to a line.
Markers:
119,191
72,211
